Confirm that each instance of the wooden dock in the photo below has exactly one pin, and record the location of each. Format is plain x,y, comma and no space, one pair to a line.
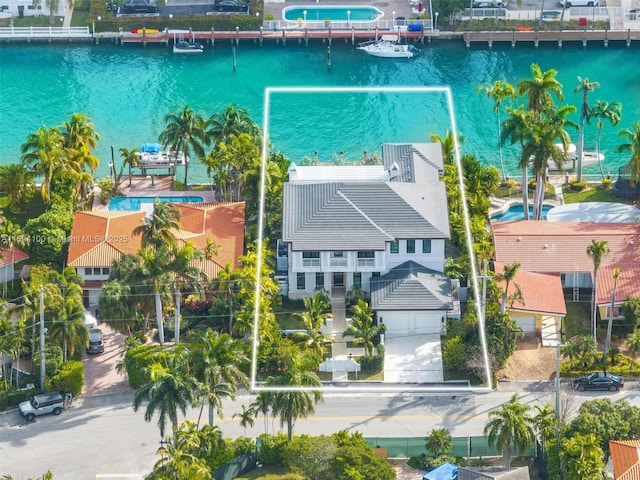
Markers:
556,36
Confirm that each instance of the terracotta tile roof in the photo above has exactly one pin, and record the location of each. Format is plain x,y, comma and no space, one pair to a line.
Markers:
561,247
541,292
11,255
625,456
98,238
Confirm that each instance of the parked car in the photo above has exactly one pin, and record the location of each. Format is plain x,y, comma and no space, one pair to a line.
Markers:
139,6
490,4
231,6
89,320
578,3
52,402
96,342
598,381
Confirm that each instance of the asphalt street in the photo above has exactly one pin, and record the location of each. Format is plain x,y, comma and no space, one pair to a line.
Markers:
103,435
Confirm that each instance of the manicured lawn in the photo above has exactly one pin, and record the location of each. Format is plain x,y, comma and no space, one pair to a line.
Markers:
270,473
592,194
577,321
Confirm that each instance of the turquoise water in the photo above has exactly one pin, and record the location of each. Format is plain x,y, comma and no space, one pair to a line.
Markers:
128,90
332,12
133,204
516,212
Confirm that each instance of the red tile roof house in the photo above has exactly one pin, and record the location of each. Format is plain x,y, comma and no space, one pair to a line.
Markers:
541,308
625,456
99,238
561,248
8,259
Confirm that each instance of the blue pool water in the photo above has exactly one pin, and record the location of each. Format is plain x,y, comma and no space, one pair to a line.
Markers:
332,12
132,204
516,212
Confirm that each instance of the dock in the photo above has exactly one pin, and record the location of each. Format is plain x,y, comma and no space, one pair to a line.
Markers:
559,37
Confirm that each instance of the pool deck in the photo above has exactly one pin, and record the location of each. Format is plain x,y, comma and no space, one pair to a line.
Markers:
148,186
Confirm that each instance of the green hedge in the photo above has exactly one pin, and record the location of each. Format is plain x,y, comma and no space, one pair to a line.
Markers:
13,398
205,23
69,378
138,358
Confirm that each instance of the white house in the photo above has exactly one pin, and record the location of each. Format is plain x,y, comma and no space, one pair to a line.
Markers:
371,227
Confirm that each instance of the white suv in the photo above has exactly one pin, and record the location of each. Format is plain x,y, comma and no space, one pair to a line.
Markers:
578,3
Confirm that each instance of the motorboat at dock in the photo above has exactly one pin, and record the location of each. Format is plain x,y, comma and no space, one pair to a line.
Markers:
388,47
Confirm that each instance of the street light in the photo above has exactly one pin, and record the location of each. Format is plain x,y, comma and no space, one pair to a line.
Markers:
393,19
304,13
348,17
435,25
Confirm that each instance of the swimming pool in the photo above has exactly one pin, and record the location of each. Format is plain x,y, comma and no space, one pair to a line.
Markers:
132,204
516,212
338,13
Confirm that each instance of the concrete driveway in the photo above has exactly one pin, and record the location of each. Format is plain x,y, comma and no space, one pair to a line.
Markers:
413,359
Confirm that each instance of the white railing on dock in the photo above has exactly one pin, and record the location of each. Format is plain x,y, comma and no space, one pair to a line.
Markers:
381,25
45,32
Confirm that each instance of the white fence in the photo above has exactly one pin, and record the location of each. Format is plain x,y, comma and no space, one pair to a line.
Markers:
44,32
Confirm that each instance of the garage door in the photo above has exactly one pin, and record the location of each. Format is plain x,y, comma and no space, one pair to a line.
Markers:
528,324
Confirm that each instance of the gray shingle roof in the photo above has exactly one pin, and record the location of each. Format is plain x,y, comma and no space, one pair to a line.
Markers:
411,286
418,162
361,216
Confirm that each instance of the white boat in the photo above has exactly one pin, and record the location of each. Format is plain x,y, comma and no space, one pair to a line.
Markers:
184,46
387,46
571,163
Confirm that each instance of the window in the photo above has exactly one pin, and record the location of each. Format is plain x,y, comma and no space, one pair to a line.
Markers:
395,247
411,246
88,271
357,280
105,271
319,280
310,254
97,271
300,281
375,275
615,313
426,246
368,254
338,254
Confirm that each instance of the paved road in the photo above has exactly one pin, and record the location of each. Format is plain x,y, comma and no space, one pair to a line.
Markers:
104,435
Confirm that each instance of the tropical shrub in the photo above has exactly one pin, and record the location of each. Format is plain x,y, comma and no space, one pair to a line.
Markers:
138,358
272,450
578,186
106,190
606,183
373,363
69,378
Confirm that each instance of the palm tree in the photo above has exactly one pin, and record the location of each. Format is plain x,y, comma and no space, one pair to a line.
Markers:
222,359
604,110
18,182
499,92
571,350
186,273
508,276
158,229
362,327
233,121
607,342
633,339
68,329
246,418
168,390
439,441
516,129
596,251
509,428
317,310
224,285
585,87
633,147
114,306
155,272
544,423
43,151
588,350
184,131
540,89
448,145
292,402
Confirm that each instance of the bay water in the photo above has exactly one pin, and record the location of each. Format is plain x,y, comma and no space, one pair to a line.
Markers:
127,91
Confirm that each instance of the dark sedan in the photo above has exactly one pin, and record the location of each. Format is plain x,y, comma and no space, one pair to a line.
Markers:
599,381
140,6
231,6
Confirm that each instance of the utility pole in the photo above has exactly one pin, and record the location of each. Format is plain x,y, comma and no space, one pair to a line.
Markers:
177,317
42,362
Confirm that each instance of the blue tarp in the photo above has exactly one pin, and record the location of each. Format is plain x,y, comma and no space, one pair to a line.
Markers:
447,471
150,147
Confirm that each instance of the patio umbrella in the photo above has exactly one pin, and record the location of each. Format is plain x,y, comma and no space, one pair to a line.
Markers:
419,7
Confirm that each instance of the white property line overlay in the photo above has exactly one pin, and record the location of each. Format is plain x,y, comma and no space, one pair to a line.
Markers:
256,386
